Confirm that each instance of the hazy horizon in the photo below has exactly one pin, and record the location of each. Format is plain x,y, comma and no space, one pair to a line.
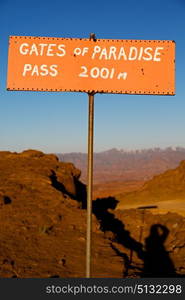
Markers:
155,148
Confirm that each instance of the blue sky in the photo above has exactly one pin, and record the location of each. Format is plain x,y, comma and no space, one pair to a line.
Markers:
57,122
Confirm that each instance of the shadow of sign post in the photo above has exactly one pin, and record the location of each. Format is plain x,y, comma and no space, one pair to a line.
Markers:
143,209
92,66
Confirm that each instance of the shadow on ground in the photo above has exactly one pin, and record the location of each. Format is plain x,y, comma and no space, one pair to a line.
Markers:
152,253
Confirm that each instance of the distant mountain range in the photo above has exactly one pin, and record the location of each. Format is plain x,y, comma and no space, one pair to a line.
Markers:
122,165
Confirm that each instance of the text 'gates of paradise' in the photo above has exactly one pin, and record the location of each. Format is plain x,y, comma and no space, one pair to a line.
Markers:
109,66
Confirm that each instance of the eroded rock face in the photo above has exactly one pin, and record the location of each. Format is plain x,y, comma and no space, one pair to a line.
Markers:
42,225
33,169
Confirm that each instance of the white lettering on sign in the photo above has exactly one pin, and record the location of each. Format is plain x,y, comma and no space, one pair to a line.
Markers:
79,51
122,75
84,73
147,52
103,73
62,50
157,54
42,49
122,54
112,52
42,70
119,53
134,53
23,50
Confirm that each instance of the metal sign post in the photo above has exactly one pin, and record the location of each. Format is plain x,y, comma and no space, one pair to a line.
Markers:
90,177
89,184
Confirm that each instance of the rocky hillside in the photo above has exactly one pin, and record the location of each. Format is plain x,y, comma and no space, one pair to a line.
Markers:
167,186
43,226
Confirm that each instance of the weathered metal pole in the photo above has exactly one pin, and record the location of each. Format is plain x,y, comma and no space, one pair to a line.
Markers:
90,184
90,179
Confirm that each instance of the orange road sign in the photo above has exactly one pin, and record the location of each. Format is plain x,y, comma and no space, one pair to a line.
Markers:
103,66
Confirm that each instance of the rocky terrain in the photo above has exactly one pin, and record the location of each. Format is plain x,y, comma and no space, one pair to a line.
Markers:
43,226
167,189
